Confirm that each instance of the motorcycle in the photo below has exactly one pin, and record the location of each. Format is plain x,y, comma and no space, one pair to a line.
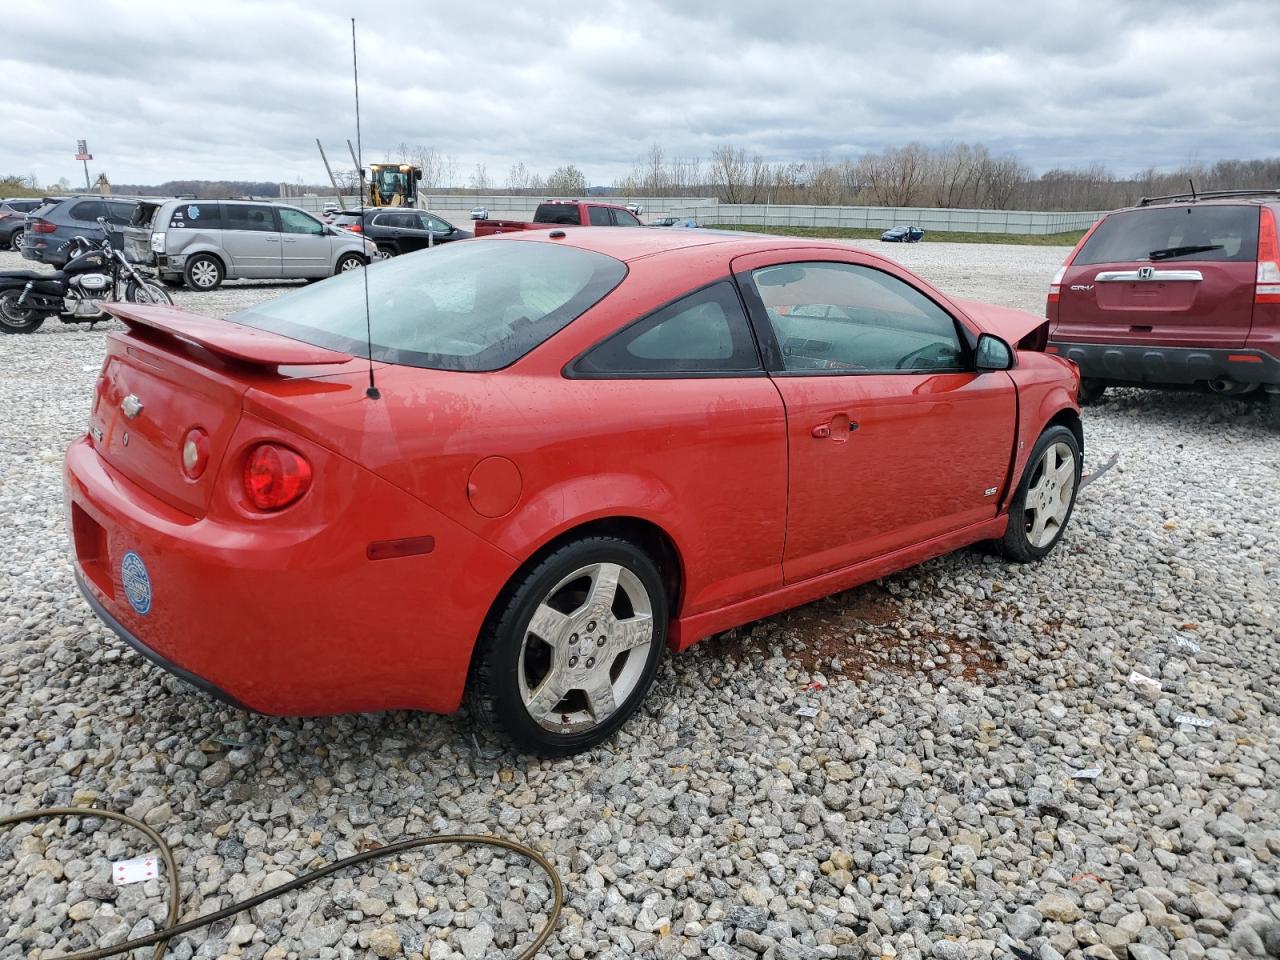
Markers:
93,274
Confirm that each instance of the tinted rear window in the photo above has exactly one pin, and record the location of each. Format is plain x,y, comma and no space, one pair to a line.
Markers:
205,214
467,306
565,213
1232,232
344,219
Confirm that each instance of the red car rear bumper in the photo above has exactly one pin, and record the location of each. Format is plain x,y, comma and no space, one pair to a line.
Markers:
289,620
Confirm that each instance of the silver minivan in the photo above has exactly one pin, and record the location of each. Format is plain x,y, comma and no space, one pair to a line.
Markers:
203,242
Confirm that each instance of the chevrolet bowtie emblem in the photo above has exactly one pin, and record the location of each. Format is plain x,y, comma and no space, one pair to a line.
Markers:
131,406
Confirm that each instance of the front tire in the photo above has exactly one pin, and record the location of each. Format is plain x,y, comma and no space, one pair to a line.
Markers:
1046,497
136,292
16,319
572,647
203,272
348,262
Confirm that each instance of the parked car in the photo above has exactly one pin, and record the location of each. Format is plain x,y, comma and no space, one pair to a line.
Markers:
479,213
902,234
52,225
12,214
398,230
1177,291
771,421
688,222
563,213
203,242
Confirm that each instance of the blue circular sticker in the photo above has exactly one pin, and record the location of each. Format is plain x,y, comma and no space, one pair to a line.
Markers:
137,582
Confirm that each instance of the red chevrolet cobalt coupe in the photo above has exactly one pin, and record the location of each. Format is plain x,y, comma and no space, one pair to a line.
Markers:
584,447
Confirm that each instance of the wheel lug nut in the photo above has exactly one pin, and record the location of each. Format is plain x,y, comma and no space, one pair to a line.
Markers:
573,638
591,626
573,661
600,642
591,662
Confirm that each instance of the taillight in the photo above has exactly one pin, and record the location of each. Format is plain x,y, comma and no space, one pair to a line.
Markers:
275,476
43,226
1055,286
356,228
1268,288
195,453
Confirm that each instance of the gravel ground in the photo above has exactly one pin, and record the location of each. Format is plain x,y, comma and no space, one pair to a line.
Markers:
930,807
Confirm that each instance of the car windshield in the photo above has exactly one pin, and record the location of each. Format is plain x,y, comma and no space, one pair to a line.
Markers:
1212,232
466,306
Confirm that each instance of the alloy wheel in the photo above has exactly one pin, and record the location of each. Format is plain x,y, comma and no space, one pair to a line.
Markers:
351,263
585,648
1048,499
204,274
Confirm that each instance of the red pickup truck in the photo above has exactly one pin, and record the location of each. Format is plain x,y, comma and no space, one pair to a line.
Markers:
563,213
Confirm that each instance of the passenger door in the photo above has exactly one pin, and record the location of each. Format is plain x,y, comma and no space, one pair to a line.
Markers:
306,249
893,438
1178,276
251,238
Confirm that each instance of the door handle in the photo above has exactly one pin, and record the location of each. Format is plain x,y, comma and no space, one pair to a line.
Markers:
837,429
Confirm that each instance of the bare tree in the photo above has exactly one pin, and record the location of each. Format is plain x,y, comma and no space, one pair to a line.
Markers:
518,178
730,173
480,179
567,181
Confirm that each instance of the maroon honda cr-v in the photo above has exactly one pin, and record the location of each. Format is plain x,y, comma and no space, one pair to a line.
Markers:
1176,291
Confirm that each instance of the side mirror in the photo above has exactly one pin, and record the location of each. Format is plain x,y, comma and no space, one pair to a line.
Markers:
993,354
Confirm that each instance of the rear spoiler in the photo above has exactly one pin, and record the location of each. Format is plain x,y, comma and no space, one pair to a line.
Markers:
227,339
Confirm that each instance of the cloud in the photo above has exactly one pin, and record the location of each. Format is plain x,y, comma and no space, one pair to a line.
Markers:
240,89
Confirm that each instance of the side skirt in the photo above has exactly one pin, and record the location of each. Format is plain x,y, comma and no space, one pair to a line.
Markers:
687,631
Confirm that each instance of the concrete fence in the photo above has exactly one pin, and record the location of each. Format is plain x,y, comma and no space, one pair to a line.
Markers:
708,210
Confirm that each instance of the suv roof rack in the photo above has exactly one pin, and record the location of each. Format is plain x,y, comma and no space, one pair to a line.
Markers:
1207,195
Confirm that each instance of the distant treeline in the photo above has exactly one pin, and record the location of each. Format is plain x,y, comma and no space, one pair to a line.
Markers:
954,175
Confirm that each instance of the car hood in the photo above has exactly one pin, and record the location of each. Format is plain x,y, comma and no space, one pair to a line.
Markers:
1024,330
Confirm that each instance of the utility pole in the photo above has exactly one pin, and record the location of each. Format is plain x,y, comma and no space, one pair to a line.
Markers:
82,153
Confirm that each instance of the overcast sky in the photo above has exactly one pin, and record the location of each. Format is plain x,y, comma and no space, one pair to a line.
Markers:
239,90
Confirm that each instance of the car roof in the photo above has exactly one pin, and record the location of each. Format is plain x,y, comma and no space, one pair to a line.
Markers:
1254,201
626,244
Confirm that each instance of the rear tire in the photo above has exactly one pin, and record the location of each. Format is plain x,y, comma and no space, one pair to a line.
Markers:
16,319
1091,391
348,262
387,250
203,272
1046,497
572,647
15,241
1273,401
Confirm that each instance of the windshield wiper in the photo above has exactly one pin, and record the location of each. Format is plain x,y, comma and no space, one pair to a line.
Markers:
1169,252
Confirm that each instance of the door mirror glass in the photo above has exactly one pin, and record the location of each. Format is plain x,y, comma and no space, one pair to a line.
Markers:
993,353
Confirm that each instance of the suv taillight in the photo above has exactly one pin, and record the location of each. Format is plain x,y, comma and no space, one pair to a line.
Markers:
43,226
275,476
1055,287
355,228
1268,288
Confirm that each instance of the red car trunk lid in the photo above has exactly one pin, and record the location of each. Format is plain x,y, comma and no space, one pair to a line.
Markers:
174,372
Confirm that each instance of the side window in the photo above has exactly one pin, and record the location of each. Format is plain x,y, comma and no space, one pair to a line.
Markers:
839,316
623,218
434,224
120,213
243,216
89,210
295,221
705,332
204,214
599,216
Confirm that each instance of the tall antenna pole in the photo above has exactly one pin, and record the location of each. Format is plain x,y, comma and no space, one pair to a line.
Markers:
372,392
